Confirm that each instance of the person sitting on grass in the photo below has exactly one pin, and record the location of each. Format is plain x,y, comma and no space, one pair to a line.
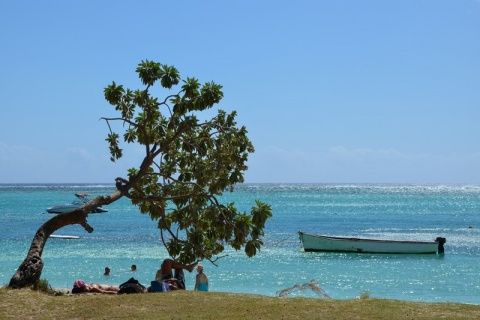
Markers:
79,286
165,274
162,285
168,265
180,276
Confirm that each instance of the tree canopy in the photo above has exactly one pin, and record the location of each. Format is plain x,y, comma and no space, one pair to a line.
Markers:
188,163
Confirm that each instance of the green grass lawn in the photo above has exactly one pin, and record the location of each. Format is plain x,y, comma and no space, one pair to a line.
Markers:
27,304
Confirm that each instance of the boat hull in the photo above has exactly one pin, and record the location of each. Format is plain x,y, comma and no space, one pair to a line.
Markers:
71,207
55,236
319,243
67,207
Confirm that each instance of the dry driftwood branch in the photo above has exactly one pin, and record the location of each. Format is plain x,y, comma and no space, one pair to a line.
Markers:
314,285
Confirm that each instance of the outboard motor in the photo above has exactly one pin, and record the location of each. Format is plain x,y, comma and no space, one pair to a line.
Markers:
440,242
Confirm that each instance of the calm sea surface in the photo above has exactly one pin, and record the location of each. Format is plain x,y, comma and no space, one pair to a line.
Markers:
123,237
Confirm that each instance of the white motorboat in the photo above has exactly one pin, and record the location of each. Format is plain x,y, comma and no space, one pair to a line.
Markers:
322,243
82,198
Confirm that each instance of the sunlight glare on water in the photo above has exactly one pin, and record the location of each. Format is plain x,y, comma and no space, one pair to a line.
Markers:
123,237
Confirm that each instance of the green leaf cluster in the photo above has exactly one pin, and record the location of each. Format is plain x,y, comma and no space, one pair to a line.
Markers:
188,163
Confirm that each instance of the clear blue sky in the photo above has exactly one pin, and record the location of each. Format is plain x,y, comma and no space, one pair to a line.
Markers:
330,91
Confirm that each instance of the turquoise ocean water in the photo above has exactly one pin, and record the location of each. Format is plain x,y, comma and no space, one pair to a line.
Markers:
123,237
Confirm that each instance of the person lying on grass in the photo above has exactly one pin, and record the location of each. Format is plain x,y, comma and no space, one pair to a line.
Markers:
79,286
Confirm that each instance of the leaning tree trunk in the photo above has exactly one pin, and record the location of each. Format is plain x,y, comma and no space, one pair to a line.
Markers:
29,272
